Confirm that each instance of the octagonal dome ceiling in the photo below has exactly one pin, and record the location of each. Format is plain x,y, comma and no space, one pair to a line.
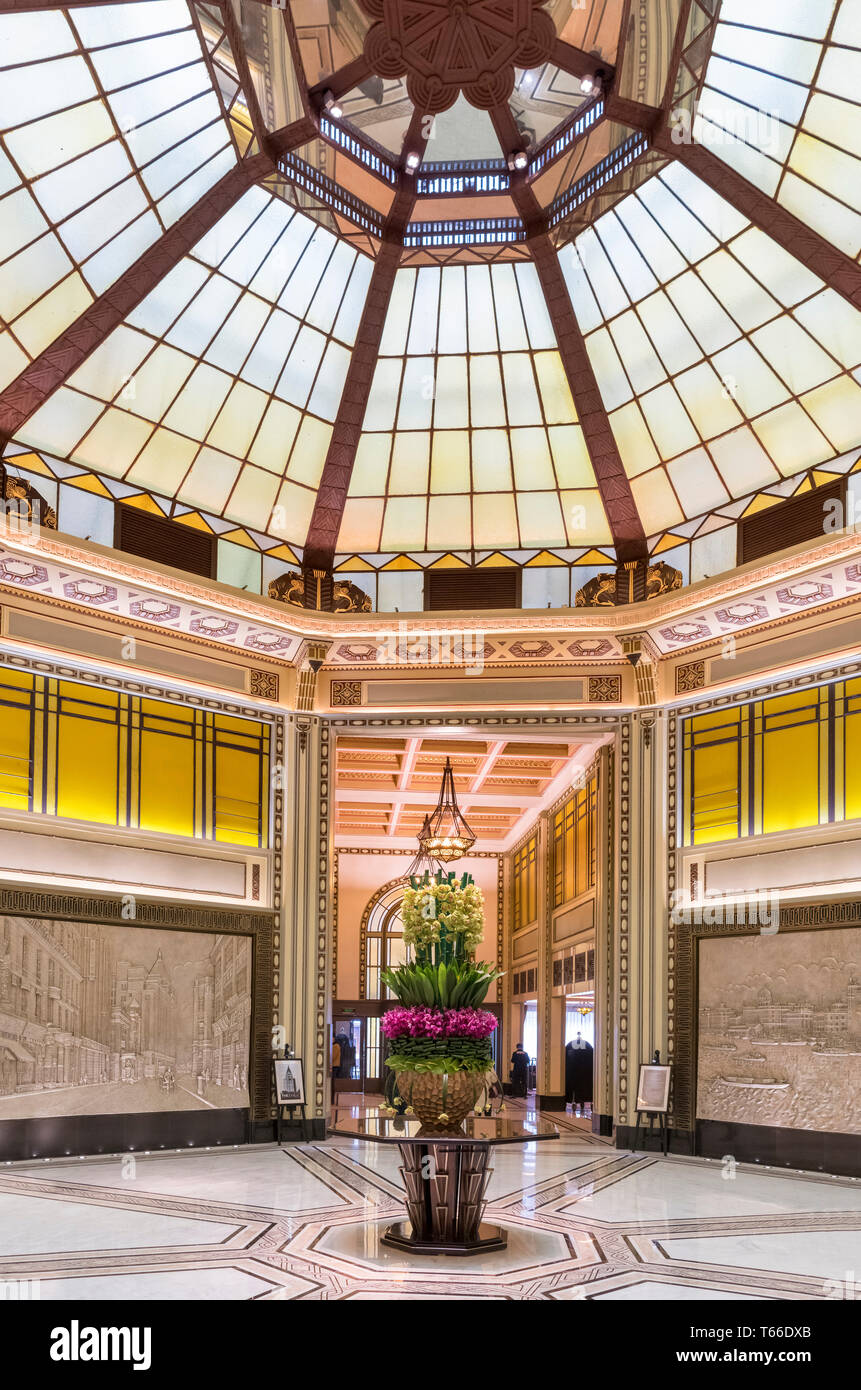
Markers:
597,294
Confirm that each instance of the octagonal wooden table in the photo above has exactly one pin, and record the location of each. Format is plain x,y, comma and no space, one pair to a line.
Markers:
445,1177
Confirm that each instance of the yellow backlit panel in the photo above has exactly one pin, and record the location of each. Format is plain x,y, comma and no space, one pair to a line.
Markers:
788,763
116,760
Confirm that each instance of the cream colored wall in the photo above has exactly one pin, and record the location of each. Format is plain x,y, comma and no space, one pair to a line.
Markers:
359,878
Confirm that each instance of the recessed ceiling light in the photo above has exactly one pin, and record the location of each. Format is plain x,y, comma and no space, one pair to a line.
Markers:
333,107
587,85
413,160
518,159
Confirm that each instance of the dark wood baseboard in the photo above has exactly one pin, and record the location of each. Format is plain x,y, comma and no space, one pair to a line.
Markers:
680,1141
813,1150
58,1136
548,1102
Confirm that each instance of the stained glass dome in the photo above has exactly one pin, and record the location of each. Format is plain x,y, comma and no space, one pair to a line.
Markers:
366,286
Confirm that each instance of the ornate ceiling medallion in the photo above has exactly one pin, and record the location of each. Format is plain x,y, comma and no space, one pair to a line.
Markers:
444,47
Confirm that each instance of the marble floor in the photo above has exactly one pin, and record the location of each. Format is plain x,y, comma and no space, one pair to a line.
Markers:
585,1221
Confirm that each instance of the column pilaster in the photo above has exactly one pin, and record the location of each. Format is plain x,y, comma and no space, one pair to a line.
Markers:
307,866
642,937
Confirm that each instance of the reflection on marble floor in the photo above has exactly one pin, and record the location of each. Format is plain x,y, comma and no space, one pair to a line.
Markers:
585,1221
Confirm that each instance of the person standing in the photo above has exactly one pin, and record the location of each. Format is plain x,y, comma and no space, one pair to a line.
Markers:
578,1073
519,1071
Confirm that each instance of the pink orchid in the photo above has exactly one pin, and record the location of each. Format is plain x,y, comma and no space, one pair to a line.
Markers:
421,1022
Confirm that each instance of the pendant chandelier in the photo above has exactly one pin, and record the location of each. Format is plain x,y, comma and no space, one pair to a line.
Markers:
445,834
424,863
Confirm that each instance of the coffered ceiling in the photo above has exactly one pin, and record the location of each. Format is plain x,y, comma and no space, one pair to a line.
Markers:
384,787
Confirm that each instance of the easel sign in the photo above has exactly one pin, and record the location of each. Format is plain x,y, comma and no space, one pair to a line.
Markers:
653,1088
653,1099
289,1090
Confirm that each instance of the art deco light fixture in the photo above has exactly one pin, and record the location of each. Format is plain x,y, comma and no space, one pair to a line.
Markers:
445,834
424,863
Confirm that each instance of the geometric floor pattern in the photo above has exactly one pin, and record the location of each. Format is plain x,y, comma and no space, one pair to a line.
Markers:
584,1221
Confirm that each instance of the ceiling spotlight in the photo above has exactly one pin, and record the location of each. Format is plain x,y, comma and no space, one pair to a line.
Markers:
332,107
518,159
413,160
587,85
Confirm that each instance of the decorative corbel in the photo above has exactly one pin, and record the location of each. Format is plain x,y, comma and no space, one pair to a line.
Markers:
310,658
642,654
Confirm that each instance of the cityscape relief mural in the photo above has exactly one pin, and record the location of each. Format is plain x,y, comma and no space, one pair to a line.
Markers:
98,1020
780,1030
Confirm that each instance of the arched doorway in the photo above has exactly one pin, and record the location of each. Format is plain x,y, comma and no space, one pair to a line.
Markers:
356,1023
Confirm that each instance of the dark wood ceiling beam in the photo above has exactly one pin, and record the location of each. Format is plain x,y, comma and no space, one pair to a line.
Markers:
342,81
56,363
290,137
832,265
243,72
322,538
577,63
614,486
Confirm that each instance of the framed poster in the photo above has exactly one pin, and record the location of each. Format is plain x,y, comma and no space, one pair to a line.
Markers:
653,1087
144,1019
289,1081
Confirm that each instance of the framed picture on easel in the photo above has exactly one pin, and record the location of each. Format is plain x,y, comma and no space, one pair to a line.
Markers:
653,1088
289,1081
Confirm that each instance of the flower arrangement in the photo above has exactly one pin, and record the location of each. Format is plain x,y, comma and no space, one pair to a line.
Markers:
439,1037
430,1023
434,1040
442,918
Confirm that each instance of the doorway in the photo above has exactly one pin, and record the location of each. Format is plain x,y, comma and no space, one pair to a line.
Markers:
349,1034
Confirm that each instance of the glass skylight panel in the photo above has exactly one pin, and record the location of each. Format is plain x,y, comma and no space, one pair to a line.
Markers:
538,325
509,314
716,347
781,104
27,94
451,393
452,310
239,333
480,316
45,320
486,401
209,385
116,23
300,369
105,266
607,366
521,395
470,378
383,397
238,419
34,147
697,482
96,152
634,272
673,345
747,379
410,463
416,405
198,324
32,36
265,362
791,352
